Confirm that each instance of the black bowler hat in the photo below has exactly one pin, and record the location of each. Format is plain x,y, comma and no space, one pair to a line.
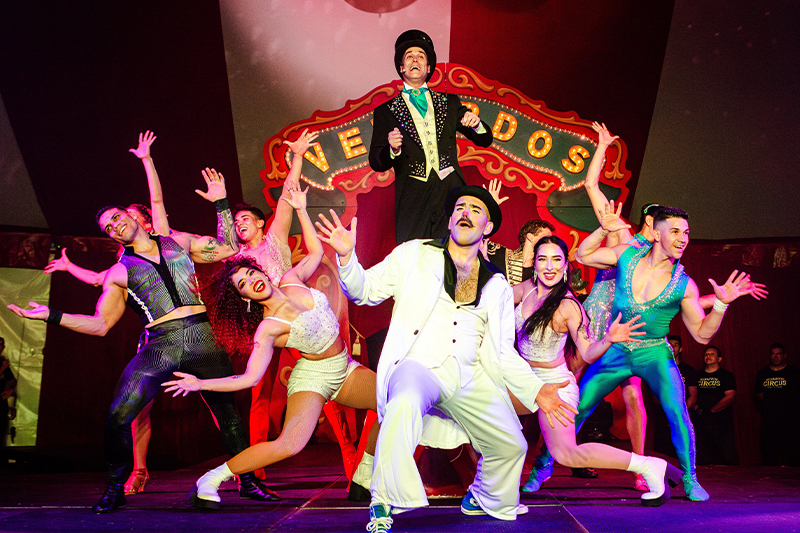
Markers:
411,38
495,215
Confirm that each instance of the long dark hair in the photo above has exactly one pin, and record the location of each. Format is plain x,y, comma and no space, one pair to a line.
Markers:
537,323
233,324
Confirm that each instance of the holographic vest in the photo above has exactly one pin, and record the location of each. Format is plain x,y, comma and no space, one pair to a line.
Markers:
155,289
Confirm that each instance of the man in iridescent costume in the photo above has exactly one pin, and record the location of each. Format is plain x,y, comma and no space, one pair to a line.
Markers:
156,277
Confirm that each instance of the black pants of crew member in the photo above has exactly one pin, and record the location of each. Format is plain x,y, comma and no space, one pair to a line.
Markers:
716,442
186,345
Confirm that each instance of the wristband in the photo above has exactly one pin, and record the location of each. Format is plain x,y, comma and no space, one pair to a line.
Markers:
54,317
719,306
221,205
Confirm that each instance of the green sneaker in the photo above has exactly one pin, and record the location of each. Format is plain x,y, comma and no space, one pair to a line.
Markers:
693,490
380,520
542,471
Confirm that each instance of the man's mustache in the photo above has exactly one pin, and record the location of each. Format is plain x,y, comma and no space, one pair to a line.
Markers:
467,220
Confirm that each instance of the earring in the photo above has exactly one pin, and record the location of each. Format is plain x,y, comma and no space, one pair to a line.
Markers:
534,277
565,275
248,306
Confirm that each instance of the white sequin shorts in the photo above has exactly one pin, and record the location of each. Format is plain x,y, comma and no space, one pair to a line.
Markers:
570,394
325,377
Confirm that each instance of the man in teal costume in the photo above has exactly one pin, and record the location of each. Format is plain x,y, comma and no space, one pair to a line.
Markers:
653,274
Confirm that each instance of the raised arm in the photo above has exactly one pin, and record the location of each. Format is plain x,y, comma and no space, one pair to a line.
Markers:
282,222
590,253
85,275
308,265
703,327
260,357
159,212
206,249
364,287
592,181
108,311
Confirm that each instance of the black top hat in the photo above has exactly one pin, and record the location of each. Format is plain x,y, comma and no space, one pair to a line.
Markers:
495,215
411,38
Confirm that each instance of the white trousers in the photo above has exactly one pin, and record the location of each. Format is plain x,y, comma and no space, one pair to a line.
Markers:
478,407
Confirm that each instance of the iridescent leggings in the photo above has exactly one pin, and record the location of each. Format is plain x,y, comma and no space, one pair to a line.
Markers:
655,365
187,345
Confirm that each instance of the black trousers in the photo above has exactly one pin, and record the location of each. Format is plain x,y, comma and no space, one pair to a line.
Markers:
187,345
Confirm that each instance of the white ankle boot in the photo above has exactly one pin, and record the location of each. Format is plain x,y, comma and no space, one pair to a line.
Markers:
657,473
205,492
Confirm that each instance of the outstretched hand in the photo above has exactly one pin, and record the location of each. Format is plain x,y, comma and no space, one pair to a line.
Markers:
295,197
494,189
58,264
609,217
303,143
552,405
624,332
216,185
39,312
756,290
145,140
188,383
342,240
604,136
730,290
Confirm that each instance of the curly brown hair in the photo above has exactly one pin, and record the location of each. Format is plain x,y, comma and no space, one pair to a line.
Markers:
233,324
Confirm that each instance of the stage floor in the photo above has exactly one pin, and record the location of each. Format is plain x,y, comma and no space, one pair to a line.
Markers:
743,499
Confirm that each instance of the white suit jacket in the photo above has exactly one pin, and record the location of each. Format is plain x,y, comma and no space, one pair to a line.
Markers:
413,274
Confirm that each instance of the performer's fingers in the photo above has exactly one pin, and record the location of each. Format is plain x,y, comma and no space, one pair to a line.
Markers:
335,218
201,193
550,420
353,225
328,225
323,229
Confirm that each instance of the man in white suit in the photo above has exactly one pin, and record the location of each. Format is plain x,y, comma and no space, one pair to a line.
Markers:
449,351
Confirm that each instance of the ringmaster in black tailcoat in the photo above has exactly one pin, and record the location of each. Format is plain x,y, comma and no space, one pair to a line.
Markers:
415,133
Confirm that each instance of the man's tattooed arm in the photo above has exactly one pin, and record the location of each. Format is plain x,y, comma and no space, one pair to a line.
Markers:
226,231
210,250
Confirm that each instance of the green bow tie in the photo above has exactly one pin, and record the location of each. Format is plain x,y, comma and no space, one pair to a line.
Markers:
418,100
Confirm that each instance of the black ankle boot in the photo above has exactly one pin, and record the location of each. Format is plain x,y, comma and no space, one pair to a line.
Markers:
357,493
113,498
250,487
586,473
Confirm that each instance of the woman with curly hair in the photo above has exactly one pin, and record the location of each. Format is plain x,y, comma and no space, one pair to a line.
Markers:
290,314
551,325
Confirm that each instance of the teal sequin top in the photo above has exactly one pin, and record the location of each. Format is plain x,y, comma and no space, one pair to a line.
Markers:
600,302
656,313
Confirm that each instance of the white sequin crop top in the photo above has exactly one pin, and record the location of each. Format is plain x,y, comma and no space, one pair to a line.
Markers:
315,330
549,348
